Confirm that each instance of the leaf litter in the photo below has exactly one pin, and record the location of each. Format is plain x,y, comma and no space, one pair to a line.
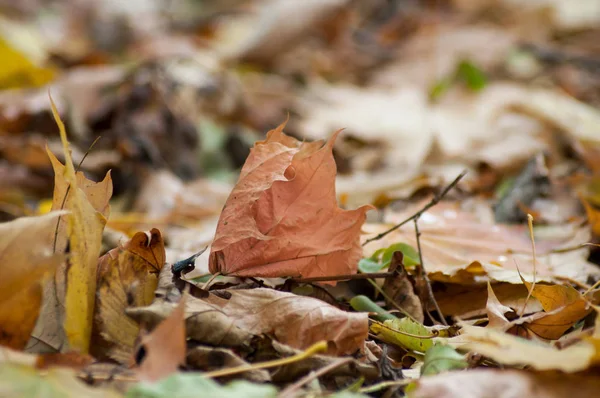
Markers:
342,263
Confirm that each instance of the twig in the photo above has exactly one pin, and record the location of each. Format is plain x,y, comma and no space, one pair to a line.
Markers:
434,201
424,272
345,277
291,390
385,384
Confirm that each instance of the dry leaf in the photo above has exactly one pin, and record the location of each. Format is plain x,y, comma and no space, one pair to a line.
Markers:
293,320
512,350
496,310
165,346
88,203
400,289
127,276
23,268
460,247
497,383
565,306
468,301
282,219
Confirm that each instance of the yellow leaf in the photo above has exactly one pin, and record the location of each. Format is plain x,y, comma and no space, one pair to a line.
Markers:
405,333
507,349
564,307
16,70
85,236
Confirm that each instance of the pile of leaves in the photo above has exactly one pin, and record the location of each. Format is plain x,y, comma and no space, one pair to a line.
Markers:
445,244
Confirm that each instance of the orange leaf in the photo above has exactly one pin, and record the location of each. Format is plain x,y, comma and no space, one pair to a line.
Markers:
282,218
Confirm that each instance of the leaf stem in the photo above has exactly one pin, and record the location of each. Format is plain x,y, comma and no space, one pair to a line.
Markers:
320,346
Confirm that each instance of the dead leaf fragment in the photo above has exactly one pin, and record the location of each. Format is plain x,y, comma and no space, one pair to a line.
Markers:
512,350
282,218
23,268
496,310
127,276
165,346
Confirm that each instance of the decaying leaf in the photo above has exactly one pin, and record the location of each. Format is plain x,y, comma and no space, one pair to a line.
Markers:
127,276
165,346
496,310
282,218
69,315
512,350
460,247
400,289
293,320
22,271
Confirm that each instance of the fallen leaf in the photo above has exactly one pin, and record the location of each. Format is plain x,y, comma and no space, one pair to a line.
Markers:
165,346
564,307
23,268
400,289
468,301
498,383
127,276
282,219
442,358
404,333
512,350
293,320
462,246
496,310
88,203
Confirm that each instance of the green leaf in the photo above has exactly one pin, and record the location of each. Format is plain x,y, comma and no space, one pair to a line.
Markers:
411,256
441,358
382,258
184,385
364,304
440,88
25,381
391,332
367,265
473,76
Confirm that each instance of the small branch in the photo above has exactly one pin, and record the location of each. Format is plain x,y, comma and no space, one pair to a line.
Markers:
434,201
345,277
425,277
291,390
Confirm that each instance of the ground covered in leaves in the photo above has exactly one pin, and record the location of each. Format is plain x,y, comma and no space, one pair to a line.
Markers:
272,198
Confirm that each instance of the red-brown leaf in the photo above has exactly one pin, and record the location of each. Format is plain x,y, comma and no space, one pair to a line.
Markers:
282,217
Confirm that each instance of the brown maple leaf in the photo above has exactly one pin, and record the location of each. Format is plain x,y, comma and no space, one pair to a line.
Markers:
282,217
